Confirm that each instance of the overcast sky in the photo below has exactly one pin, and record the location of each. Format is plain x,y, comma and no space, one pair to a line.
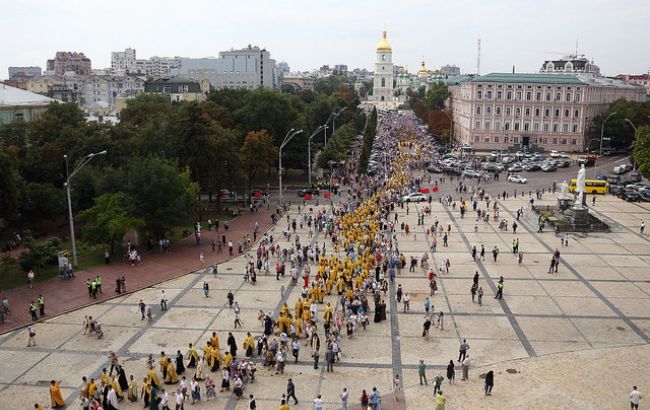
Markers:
308,34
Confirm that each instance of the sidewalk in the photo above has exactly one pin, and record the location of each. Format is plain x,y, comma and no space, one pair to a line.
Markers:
66,295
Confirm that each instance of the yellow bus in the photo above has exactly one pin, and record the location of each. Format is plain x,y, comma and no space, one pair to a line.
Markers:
592,186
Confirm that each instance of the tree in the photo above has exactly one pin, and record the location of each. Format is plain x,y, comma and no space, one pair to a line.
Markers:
338,146
437,95
159,194
256,154
619,131
42,201
641,153
439,124
9,186
39,254
139,110
107,221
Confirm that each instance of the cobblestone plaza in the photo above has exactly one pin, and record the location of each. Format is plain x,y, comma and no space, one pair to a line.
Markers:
575,339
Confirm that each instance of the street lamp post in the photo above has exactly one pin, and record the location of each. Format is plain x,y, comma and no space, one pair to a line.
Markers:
322,127
602,133
334,119
66,184
292,133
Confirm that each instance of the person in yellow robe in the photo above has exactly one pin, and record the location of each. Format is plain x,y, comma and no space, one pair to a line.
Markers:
298,307
92,386
163,364
132,394
55,395
152,378
105,379
172,377
214,340
193,356
329,313
116,386
146,392
227,359
249,344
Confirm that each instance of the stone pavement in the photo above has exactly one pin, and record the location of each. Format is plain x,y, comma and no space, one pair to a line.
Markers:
577,339
66,295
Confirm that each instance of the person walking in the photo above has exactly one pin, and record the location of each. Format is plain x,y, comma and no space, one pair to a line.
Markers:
374,399
462,350
163,300
489,383
635,397
291,392
437,383
451,373
30,278
41,305
206,289
31,341
480,295
318,403
499,294
465,365
473,290
345,397
642,227
440,401
142,308
32,311
422,372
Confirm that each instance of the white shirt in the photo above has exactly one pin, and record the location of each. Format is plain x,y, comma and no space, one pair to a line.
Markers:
635,396
318,404
112,398
165,399
179,398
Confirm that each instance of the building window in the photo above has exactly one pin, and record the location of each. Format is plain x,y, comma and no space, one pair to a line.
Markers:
487,125
383,82
576,113
574,141
529,96
498,110
506,126
565,127
487,139
488,95
555,127
499,95
515,140
568,97
19,116
536,112
477,138
478,110
518,95
526,126
479,94
527,112
558,96
508,112
544,140
547,112
577,97
509,95
566,113
554,140
575,128
517,112
477,125
538,96
548,96
557,113
535,126
545,127
497,125
516,126
488,110
505,140
496,139
564,141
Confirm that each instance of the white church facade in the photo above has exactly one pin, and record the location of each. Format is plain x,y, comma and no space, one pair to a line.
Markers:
383,91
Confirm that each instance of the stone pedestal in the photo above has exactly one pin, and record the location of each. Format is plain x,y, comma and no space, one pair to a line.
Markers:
580,216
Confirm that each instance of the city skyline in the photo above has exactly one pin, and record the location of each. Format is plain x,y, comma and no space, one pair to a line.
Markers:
341,33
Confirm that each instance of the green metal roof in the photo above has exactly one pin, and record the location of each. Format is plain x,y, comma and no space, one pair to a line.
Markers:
528,78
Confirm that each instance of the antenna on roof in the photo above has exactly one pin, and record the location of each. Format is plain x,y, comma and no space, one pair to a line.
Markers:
478,57
577,38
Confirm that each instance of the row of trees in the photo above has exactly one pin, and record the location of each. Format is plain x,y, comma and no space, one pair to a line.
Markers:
160,155
429,106
619,131
368,141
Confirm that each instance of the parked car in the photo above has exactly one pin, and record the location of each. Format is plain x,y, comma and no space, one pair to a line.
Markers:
548,167
434,169
645,196
634,177
308,191
562,163
515,168
616,189
532,167
414,197
471,173
622,169
631,196
555,154
518,179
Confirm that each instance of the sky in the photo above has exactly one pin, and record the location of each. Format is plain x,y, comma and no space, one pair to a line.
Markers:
308,34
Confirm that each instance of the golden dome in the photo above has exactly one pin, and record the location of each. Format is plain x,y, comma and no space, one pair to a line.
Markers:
423,69
384,45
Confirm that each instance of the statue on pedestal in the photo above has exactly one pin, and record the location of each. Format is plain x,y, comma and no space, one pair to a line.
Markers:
580,188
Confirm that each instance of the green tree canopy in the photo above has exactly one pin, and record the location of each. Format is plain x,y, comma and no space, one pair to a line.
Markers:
436,96
107,221
256,154
641,151
158,194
